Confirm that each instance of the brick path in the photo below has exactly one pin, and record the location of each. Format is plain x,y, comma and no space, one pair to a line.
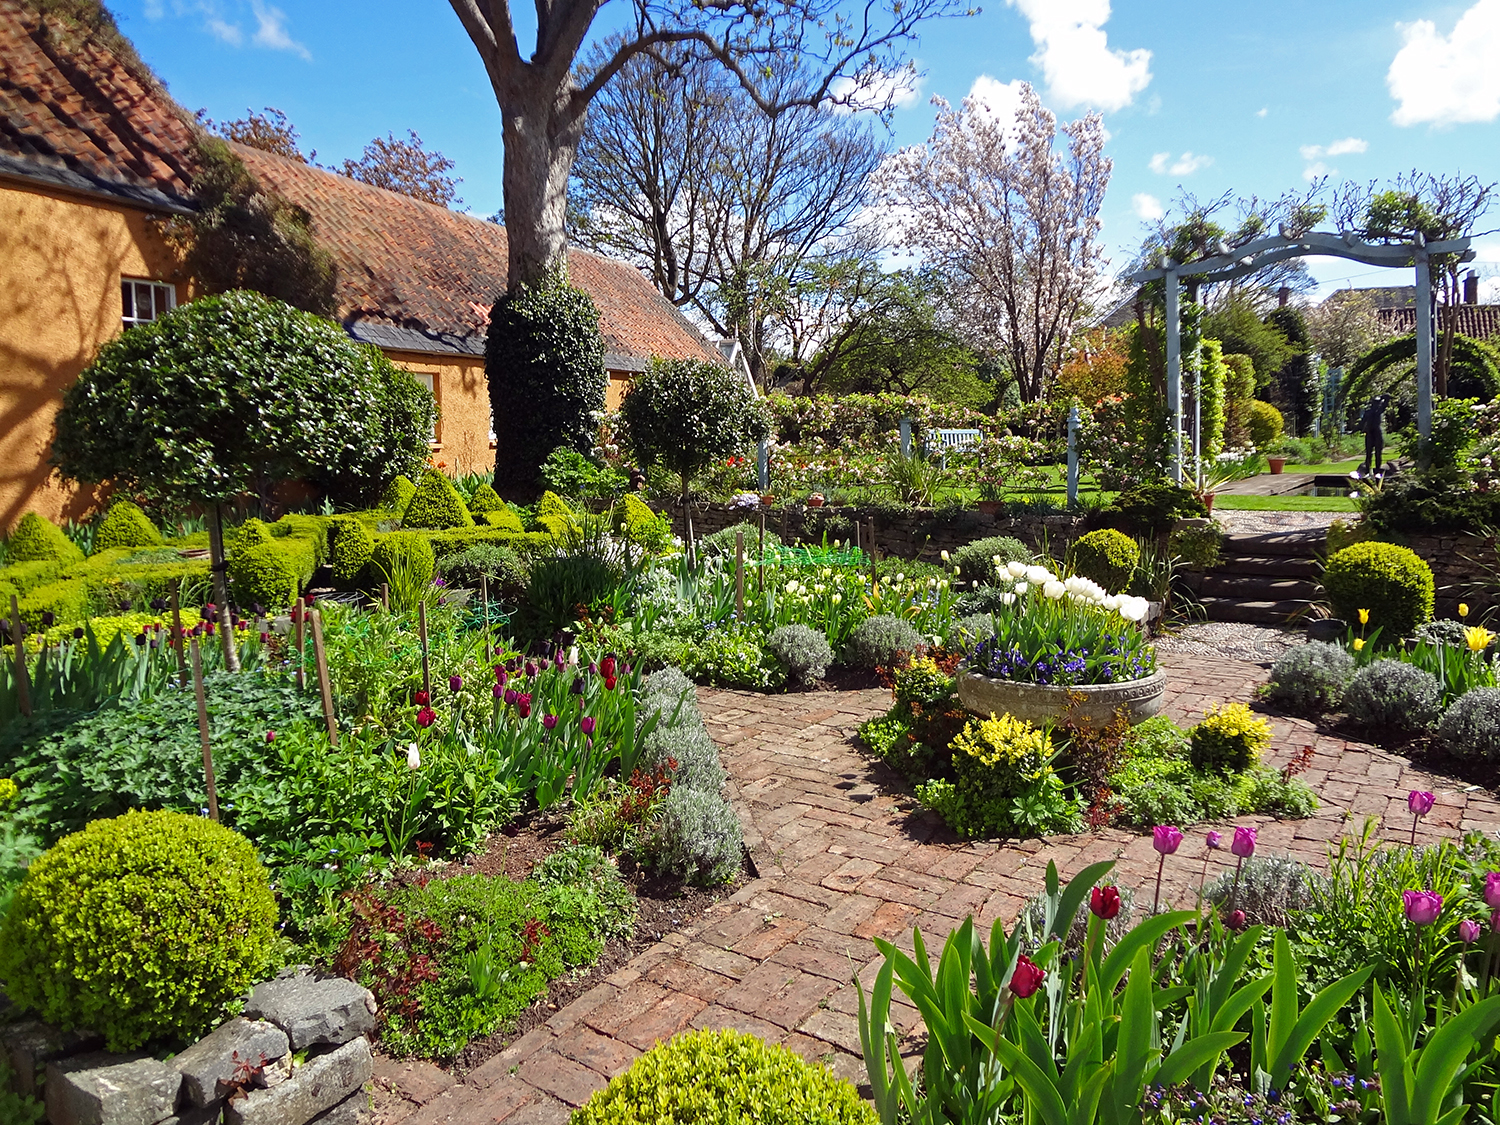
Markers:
843,854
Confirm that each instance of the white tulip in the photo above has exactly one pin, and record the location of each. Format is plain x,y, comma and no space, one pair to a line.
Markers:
1015,569
413,757
837,598
1022,587
943,556
1054,589
1133,609
1008,599
1038,574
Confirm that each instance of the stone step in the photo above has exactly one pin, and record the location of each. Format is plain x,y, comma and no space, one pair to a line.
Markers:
1304,543
1276,566
1254,612
1256,587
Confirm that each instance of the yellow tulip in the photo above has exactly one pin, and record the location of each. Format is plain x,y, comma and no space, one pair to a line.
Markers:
1479,638
1463,609
1359,643
1364,617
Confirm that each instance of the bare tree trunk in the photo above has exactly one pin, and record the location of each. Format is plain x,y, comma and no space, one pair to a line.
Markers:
221,587
541,139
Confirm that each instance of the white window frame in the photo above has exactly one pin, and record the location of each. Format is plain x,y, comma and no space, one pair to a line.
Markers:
429,380
162,295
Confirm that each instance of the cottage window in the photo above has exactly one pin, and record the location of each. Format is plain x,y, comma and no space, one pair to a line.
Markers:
144,301
430,382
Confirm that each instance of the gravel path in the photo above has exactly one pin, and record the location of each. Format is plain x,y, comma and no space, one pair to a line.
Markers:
1262,523
1254,644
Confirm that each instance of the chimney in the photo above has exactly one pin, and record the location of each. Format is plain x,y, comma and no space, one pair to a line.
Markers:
1283,296
1471,287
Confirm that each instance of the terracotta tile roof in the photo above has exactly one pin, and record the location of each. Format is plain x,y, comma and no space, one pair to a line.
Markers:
1478,322
415,275
75,113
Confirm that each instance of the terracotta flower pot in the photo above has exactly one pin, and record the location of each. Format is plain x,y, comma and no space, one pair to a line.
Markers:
1208,501
1277,464
768,500
815,500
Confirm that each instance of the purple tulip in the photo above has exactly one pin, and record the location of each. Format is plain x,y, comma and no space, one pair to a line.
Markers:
530,669
1422,907
455,682
1244,842
1420,802
1492,888
1468,932
1165,838
549,721
270,736
511,695
498,690
1215,841
586,724
1236,920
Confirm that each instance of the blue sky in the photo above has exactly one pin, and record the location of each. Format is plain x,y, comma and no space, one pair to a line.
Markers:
1214,97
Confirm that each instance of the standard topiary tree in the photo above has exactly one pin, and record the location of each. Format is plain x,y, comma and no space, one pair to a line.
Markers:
125,525
1106,556
37,539
231,395
436,504
544,359
140,928
685,414
1392,582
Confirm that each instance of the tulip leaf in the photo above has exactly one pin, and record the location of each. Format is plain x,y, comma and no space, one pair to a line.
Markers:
1145,935
1325,1005
1194,1053
1445,1053
1396,1077
1072,898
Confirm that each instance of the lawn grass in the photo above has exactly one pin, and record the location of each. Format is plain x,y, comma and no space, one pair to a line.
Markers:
1225,502
1328,468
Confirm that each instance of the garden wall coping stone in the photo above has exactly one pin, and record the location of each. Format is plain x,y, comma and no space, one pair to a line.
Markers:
318,1085
103,1089
241,1048
31,1044
313,1009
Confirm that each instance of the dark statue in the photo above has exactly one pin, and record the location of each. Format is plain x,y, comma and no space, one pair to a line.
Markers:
1372,422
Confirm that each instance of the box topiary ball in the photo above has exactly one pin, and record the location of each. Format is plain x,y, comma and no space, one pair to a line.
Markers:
125,525
140,927
36,538
1392,582
263,574
1106,556
724,1077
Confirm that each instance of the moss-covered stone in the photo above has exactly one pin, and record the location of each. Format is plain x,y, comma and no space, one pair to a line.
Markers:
37,538
436,504
125,525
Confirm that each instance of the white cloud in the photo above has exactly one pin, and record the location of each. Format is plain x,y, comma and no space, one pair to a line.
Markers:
1315,169
874,92
1074,55
1147,207
1452,80
1347,145
1002,99
1262,111
154,9
272,31
1185,165
1314,154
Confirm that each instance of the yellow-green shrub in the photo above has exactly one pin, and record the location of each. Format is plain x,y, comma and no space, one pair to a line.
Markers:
641,525
125,525
22,578
1106,556
504,519
1229,739
1264,423
106,628
350,546
484,501
37,538
1392,582
140,927
436,504
251,533
407,550
724,1078
273,573
67,600
397,495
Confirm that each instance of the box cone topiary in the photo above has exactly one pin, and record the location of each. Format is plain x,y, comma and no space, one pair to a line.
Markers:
37,538
505,519
436,504
1392,582
139,927
555,517
1106,556
125,525
349,549
397,495
485,499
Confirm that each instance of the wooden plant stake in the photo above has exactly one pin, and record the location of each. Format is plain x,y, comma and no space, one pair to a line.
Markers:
324,687
873,577
18,640
760,566
385,596
299,616
484,598
422,633
208,753
177,634
739,576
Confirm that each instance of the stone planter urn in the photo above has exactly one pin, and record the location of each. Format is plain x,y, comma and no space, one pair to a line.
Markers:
1042,704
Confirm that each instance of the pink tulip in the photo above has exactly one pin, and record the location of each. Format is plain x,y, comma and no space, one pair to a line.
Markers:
1492,888
1215,841
1468,932
1165,838
1244,842
586,724
1236,920
1422,907
1420,802
1495,920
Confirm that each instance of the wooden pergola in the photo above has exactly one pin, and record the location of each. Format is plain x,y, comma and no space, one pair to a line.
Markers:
1253,256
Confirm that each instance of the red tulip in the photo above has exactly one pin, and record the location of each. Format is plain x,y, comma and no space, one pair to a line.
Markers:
420,698
1027,978
1105,902
426,717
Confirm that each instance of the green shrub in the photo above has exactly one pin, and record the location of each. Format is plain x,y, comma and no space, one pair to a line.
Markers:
504,519
1346,533
251,533
557,588
67,600
1394,696
1003,783
272,574
545,361
502,567
696,836
436,504
876,641
141,927
975,562
1229,739
1310,679
569,472
403,555
639,524
1106,556
125,525
1152,509
724,1078
1392,582
486,500
585,886
555,517
1199,548
803,649
397,495
21,578
1264,424
734,659
37,538
350,546
1470,728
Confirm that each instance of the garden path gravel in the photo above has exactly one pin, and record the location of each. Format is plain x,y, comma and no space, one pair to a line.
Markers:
843,854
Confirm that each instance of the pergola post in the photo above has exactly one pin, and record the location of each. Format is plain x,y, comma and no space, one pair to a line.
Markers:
1424,339
1174,369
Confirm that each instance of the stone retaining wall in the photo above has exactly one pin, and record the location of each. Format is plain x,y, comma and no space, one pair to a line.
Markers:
244,1072
1465,569
919,533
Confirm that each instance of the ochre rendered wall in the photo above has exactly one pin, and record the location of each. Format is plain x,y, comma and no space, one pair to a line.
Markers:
463,396
61,261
